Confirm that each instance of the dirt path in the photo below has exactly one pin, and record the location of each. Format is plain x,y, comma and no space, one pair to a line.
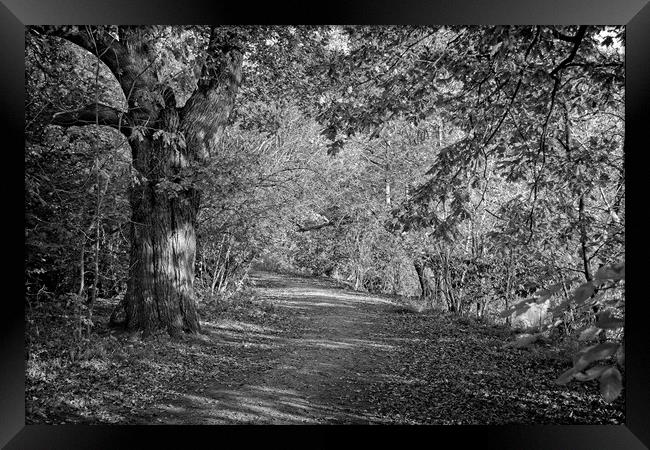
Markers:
338,356
312,377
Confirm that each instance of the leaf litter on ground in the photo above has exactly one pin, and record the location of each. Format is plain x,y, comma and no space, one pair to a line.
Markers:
444,370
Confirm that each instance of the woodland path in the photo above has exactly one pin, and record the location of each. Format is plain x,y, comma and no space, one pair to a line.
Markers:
354,358
343,343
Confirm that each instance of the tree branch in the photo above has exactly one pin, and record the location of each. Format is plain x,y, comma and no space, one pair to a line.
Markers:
94,114
514,95
577,39
329,223
101,44
564,37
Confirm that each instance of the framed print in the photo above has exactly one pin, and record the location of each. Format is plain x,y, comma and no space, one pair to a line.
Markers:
350,214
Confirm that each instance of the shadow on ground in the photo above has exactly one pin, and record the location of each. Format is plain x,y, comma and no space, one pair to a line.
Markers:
338,356
313,376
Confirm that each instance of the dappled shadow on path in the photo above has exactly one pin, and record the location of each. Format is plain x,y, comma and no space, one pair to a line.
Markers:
255,404
337,356
312,376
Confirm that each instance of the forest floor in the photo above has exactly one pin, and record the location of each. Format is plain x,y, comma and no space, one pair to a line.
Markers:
306,351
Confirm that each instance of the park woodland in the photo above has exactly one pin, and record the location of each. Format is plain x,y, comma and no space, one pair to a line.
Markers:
324,224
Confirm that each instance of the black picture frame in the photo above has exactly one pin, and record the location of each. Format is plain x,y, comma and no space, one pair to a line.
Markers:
635,14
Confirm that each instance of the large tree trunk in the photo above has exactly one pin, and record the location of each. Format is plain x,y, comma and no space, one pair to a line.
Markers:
160,293
167,144
425,287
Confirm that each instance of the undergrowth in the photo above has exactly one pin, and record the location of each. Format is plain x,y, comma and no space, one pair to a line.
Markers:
108,375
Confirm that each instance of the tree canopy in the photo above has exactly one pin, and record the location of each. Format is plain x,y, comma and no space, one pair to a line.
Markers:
472,167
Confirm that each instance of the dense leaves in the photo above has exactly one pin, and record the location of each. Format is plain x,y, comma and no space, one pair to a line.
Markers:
478,170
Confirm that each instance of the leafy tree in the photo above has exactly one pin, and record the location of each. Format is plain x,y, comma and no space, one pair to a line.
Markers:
67,216
167,140
477,167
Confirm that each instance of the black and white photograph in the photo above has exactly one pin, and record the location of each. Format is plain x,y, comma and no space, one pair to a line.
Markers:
324,224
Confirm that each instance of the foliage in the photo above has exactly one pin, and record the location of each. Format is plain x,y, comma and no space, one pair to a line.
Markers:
74,180
479,169
610,317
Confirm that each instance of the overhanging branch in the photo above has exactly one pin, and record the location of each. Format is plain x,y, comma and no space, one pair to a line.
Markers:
563,37
108,49
577,39
311,227
94,114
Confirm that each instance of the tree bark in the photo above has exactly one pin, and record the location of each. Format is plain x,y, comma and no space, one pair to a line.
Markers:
161,293
583,237
425,286
94,114
160,290
165,141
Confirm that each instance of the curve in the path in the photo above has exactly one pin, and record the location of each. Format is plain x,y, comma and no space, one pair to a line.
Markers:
311,377
338,356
